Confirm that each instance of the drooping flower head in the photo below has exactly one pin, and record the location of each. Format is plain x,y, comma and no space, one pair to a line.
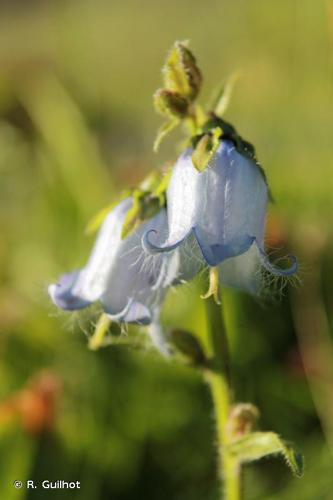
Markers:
116,274
224,207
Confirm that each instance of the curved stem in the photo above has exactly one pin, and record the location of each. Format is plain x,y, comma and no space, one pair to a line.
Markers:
218,377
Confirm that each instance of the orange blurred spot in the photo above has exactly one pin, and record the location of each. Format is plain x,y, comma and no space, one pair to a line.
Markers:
276,232
34,405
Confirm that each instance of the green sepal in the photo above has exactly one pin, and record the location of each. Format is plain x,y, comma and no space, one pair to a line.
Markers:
181,73
229,133
151,181
189,346
148,199
205,148
163,131
132,216
221,97
257,445
161,188
145,205
243,147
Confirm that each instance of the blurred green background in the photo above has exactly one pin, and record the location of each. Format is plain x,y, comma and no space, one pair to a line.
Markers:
76,126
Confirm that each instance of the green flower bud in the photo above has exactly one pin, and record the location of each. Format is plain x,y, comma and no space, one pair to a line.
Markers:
170,103
242,420
181,73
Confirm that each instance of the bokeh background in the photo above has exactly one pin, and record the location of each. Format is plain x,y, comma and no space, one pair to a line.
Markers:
76,126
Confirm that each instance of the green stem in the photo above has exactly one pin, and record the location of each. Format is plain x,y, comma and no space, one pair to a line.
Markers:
191,121
218,377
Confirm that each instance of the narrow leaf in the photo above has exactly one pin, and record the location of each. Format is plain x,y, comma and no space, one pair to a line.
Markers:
222,97
163,131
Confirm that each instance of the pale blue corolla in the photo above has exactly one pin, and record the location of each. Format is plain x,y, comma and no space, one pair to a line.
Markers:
129,284
224,209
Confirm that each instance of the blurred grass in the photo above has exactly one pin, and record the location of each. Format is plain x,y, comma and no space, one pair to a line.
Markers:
77,125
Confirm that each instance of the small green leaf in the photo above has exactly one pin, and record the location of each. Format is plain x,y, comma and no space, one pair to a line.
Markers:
163,131
189,346
257,445
206,148
156,183
160,190
181,73
221,100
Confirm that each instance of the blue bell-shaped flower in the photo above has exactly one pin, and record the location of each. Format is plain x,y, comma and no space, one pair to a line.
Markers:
224,208
129,284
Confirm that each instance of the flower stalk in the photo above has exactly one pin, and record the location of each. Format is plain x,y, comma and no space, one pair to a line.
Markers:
219,380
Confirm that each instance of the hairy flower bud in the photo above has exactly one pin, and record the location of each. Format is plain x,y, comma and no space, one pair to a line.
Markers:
170,103
242,419
181,73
